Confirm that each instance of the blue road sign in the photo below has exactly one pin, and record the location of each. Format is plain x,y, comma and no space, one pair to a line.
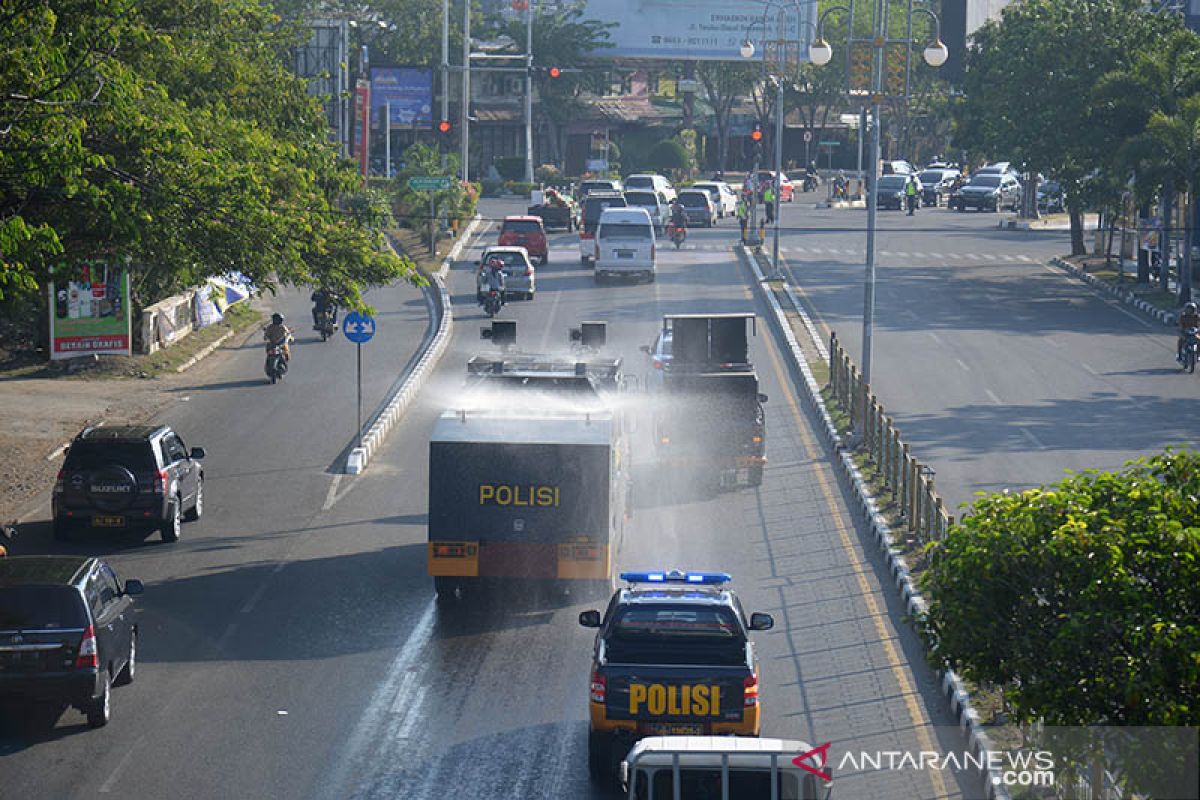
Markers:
358,328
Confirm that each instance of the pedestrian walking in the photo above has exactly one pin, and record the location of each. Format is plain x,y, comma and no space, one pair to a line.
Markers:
769,200
910,194
743,214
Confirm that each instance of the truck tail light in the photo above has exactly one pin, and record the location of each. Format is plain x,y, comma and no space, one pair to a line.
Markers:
599,687
160,481
58,482
756,439
87,658
750,690
657,362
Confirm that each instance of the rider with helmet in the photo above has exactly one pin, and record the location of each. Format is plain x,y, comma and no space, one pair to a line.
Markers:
678,215
1188,318
278,334
323,302
493,278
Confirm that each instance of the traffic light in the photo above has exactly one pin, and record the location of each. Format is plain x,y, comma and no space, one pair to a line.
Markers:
756,135
444,128
554,72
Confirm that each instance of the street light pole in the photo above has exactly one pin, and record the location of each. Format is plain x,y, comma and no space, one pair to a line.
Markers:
464,112
775,273
529,91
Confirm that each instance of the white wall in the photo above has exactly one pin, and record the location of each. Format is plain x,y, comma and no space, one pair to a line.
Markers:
980,11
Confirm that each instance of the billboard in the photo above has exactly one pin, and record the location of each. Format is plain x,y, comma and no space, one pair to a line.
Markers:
91,315
710,30
409,90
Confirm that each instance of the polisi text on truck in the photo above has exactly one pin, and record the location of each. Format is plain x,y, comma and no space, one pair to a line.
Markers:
503,494
687,700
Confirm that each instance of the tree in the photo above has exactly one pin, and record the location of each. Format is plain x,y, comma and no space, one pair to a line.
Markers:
1064,47
1080,599
668,155
725,84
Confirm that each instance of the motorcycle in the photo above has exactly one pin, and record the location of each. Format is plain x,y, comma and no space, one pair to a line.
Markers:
276,366
811,182
492,302
326,323
678,234
1191,344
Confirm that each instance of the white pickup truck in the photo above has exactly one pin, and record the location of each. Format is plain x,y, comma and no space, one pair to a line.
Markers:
725,767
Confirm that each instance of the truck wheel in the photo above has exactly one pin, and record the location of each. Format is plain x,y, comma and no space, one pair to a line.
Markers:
448,590
600,758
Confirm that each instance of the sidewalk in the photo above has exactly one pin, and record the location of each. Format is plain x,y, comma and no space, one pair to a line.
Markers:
1049,222
1118,279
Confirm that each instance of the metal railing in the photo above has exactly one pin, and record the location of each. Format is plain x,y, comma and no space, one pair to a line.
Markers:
919,507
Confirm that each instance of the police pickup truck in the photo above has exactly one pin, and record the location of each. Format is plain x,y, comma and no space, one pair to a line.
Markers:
672,657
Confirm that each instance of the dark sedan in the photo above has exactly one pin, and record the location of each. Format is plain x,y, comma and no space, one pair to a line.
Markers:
936,184
989,192
889,191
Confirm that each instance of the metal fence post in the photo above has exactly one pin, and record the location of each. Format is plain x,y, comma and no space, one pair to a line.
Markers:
895,461
852,404
939,518
914,521
905,482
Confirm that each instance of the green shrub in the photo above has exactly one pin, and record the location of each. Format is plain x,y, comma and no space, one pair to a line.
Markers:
668,155
511,168
547,173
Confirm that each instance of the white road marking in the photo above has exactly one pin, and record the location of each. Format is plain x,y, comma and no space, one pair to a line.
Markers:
331,496
1053,342
935,337
973,256
1007,257
254,598
962,364
1026,259
908,313
1029,435
107,786
1089,368
992,396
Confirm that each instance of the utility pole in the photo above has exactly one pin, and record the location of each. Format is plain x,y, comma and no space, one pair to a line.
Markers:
445,67
529,91
464,112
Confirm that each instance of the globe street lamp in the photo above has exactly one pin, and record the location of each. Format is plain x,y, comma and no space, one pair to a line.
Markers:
820,53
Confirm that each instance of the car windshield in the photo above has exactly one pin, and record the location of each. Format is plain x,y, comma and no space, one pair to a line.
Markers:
676,622
644,182
989,181
625,230
40,608
932,176
509,258
892,183
521,226
595,186
84,454
594,205
693,199
641,198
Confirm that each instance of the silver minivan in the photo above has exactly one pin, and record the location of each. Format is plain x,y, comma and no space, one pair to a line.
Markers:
625,244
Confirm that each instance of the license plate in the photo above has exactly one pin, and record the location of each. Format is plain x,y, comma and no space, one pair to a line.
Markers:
108,522
624,254
677,728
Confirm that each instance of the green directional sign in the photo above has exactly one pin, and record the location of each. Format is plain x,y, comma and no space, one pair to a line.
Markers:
829,144
427,183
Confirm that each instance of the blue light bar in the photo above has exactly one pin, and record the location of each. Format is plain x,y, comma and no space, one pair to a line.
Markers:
678,576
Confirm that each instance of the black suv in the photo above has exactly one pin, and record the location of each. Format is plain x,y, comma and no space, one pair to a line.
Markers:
66,633
128,477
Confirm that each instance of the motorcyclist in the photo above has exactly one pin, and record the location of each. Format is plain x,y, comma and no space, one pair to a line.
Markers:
678,215
840,185
278,334
493,278
1188,318
323,302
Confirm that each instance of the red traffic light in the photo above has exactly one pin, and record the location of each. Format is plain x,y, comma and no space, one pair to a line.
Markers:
555,72
444,127
756,134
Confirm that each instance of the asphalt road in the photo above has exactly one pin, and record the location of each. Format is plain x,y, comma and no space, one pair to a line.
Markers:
291,647
1000,371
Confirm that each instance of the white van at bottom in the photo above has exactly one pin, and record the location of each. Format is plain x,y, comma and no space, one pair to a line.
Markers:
625,244
725,767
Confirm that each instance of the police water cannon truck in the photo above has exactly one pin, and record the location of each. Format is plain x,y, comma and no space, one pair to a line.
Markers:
528,474
709,417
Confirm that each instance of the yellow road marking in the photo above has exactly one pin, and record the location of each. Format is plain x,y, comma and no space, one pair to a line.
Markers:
920,722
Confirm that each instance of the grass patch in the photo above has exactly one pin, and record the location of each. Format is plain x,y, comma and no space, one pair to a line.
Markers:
238,317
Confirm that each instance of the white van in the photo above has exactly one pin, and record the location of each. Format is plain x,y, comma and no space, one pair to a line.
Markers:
725,767
651,182
625,244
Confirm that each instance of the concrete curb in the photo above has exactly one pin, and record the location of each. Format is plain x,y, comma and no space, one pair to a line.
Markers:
191,362
1124,295
951,685
399,401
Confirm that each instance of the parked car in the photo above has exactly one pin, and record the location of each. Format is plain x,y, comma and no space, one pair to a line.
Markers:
67,633
655,203
528,232
625,244
722,194
766,176
989,192
889,192
652,182
698,208
936,184
520,278
1050,198
593,207
128,477
597,185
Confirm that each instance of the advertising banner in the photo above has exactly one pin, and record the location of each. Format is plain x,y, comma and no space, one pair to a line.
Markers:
407,90
91,315
712,30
